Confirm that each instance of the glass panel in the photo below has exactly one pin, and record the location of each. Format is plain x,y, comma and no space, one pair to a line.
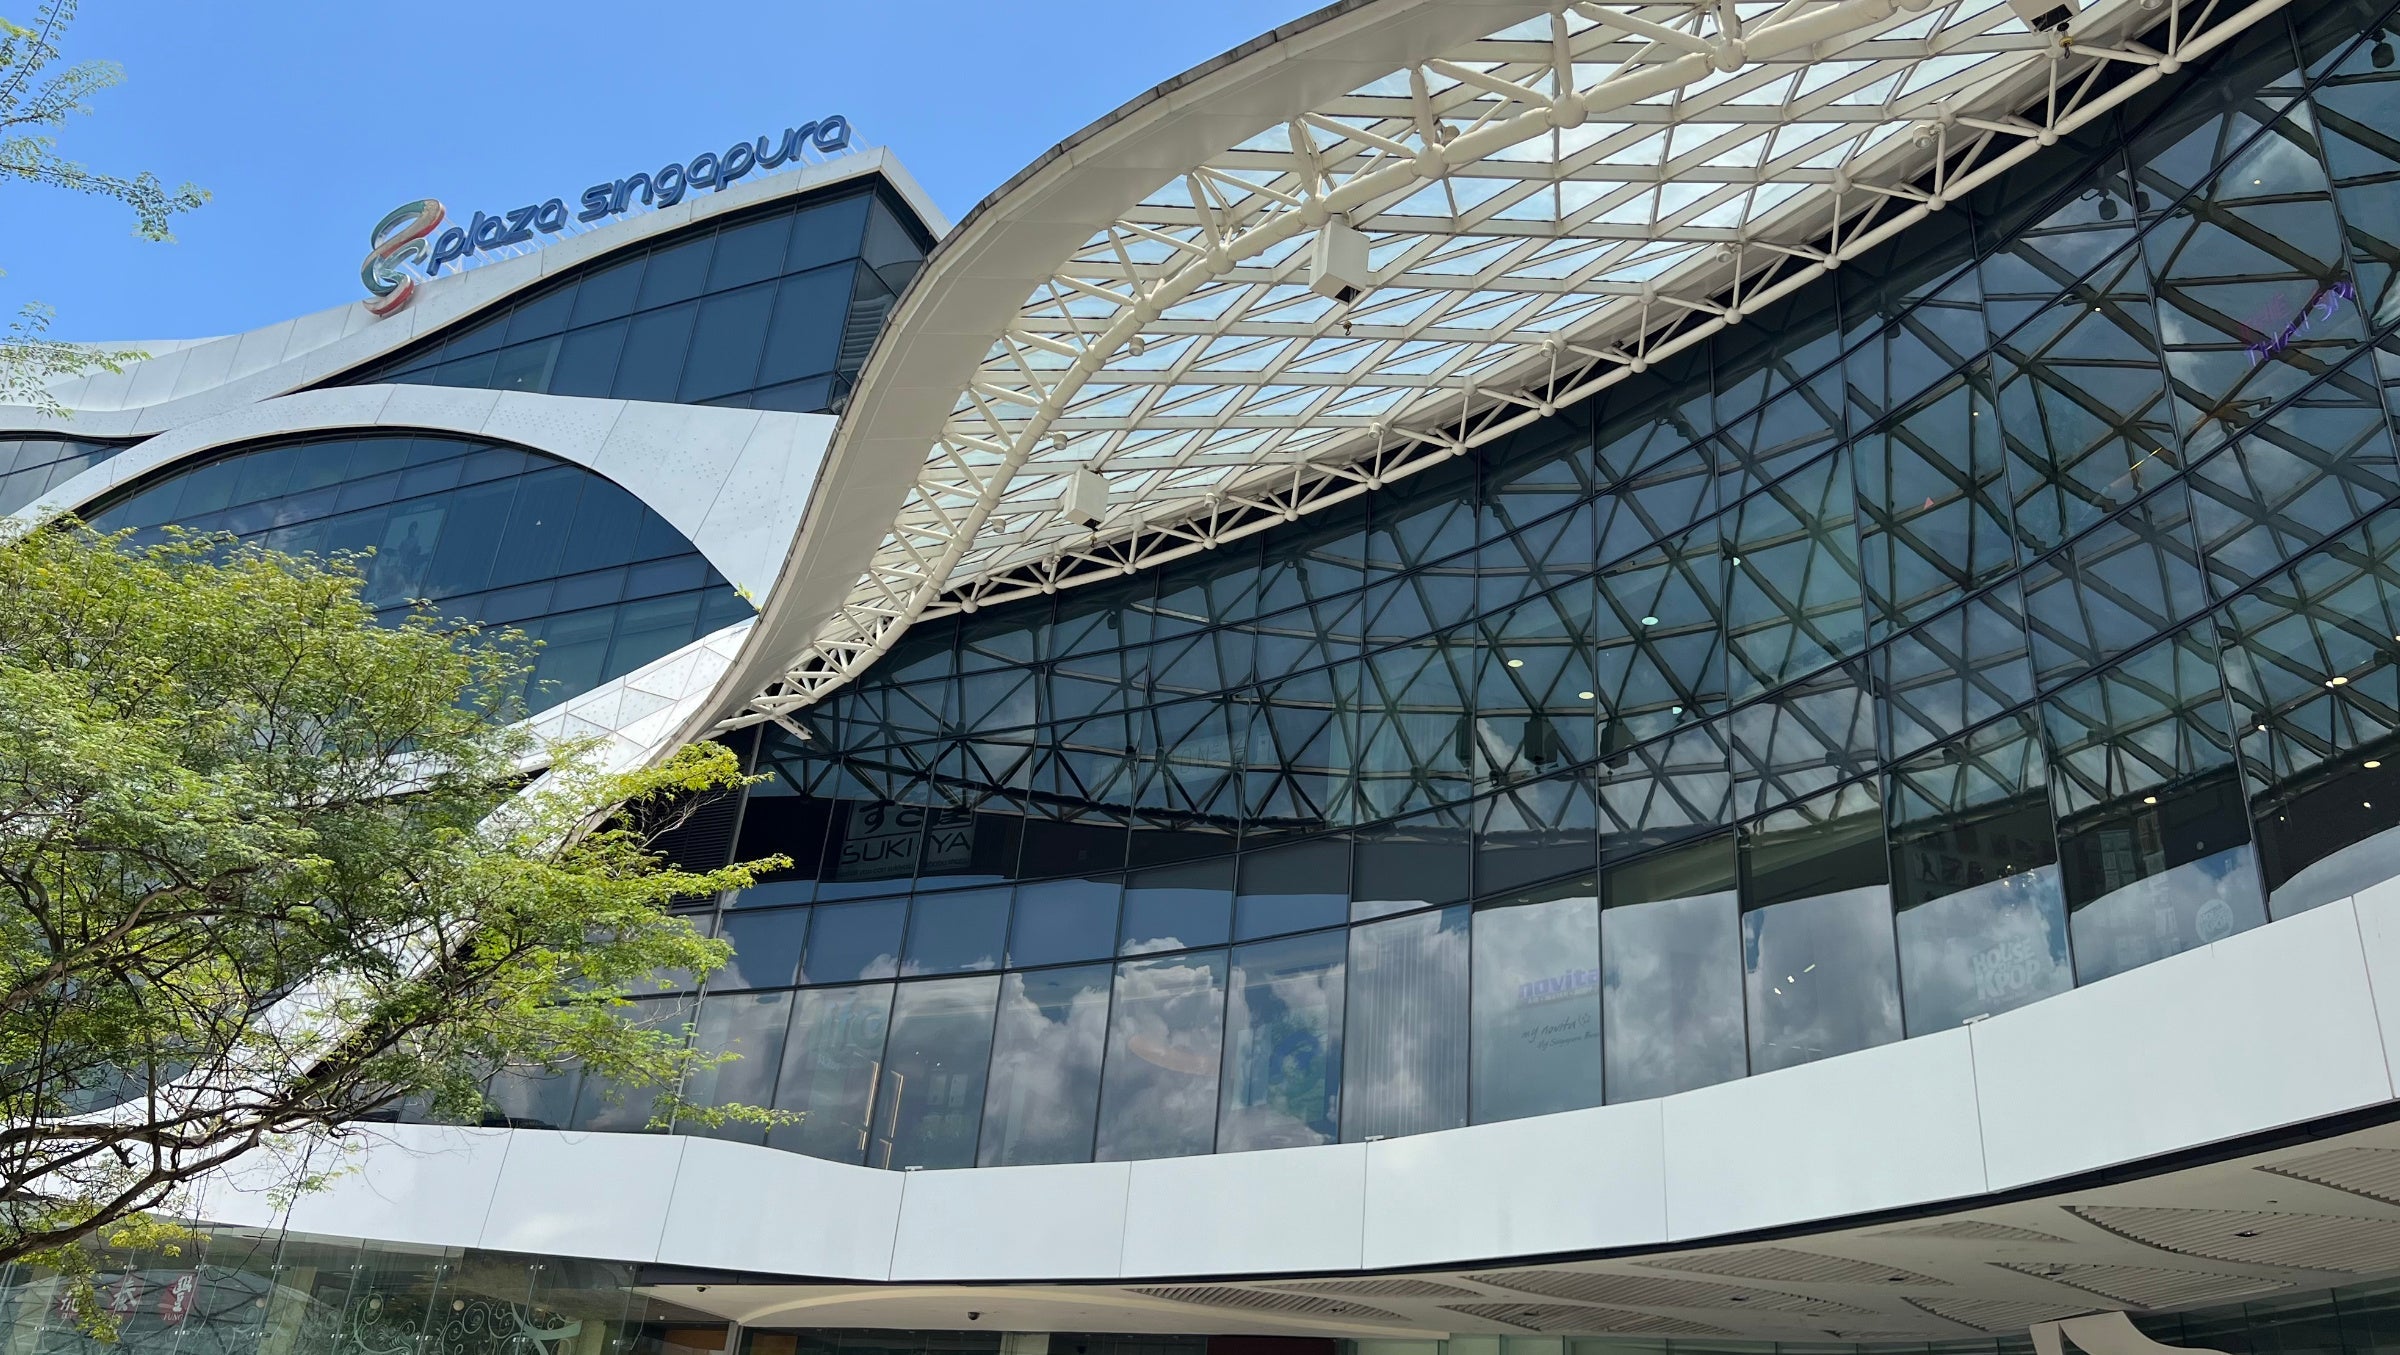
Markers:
2154,842
831,1064
766,949
852,941
1982,920
1536,991
1283,1044
930,1103
1405,1061
1044,1103
1670,972
1293,889
955,932
1158,1088
1061,920
1818,954
1178,907
749,1026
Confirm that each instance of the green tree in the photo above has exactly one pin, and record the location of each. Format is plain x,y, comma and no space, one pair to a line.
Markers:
268,868
35,101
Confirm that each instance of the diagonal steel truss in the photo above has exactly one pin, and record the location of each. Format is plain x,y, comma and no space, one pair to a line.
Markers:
1551,209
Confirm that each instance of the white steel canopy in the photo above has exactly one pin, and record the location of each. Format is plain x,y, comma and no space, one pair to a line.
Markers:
1549,207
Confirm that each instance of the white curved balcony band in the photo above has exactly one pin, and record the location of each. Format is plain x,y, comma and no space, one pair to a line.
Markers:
1793,117
1836,1162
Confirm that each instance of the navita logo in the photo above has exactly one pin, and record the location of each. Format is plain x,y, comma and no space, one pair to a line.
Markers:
399,255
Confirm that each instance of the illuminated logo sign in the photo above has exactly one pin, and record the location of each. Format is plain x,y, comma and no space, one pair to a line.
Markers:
2321,307
397,239
399,255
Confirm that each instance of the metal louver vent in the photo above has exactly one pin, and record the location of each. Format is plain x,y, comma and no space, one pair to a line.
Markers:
1998,1315
1783,1263
1644,1291
1969,1230
1578,1320
1267,1301
2372,1172
1381,1289
2147,1286
2258,1237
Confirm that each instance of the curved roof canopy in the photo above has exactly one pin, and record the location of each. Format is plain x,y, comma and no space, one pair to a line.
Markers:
1549,200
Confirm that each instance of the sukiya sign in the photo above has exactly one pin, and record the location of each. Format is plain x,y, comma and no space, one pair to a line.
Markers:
400,239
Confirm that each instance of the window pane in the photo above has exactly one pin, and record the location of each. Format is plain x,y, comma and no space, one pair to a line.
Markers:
828,232
807,331
652,363
1045,1092
1983,925
1407,866
587,361
749,1026
931,1099
676,273
1405,1067
830,1064
1537,1005
2153,836
749,253
1670,973
1158,1088
725,344
1178,907
1061,920
1818,955
1293,889
853,941
607,294
1283,1044
766,949
956,932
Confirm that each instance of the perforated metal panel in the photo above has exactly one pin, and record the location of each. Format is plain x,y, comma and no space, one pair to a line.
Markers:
2146,1286
1381,1289
1578,1320
1643,1291
1999,1315
2372,1172
1969,1230
2259,1237
1783,1263
1266,1301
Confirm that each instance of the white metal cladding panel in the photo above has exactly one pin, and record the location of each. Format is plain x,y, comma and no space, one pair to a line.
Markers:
1026,1223
2263,1029
2271,1027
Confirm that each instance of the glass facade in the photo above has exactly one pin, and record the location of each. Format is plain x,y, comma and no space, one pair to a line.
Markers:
2011,611
32,465
768,309
480,531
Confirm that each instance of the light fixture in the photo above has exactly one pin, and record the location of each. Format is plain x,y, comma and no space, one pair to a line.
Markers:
2262,729
2373,763
2149,799
2337,680
1516,663
1649,620
1583,696
1678,710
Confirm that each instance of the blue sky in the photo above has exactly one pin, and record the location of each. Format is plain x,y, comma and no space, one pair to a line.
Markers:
308,119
